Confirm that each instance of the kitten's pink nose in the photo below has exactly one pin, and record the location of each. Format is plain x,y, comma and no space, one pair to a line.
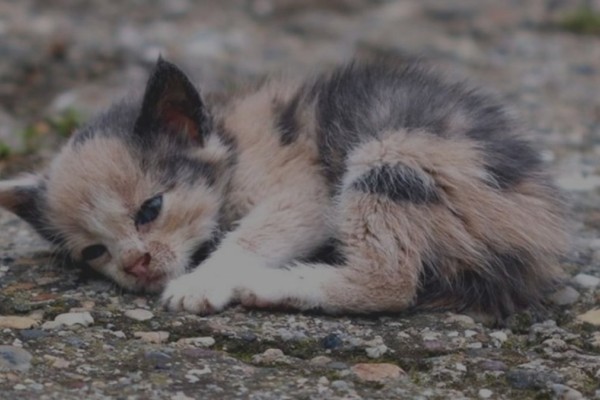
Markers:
140,267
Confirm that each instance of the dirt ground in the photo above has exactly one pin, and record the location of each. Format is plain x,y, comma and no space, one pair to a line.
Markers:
66,335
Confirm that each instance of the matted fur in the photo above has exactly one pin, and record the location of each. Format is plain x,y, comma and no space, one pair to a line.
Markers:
421,192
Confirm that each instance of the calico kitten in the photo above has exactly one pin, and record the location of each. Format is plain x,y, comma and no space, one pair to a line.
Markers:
370,188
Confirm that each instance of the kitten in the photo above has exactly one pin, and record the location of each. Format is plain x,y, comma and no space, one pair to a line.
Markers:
370,188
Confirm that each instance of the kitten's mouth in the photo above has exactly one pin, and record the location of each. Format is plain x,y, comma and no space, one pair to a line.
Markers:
154,279
154,283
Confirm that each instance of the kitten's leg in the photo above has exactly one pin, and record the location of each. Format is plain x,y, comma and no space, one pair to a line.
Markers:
287,227
382,241
419,211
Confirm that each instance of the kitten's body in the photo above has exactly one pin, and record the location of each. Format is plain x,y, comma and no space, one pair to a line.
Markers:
422,192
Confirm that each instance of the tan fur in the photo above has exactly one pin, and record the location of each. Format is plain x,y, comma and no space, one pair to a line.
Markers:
94,192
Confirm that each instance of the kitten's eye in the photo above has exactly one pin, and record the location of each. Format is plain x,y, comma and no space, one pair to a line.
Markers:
149,210
92,252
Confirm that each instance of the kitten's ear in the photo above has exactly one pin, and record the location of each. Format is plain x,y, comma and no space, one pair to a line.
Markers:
172,104
25,197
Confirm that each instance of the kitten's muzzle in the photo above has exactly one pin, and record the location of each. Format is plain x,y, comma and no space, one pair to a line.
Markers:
140,267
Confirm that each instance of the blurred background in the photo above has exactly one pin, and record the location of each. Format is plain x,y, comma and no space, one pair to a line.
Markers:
62,60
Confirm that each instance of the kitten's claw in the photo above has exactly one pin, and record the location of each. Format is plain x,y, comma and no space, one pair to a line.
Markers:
197,295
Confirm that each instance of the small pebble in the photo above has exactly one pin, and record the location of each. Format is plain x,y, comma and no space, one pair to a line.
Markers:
14,322
493,365
69,319
485,393
379,373
14,358
57,362
204,341
139,314
461,319
565,296
32,334
340,385
564,392
270,356
320,360
323,381
586,281
591,317
331,341
337,365
119,334
475,345
152,337
158,359
376,351
500,336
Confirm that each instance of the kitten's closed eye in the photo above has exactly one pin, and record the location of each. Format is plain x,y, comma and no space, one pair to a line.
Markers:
93,252
149,211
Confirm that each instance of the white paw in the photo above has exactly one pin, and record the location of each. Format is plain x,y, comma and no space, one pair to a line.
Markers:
198,293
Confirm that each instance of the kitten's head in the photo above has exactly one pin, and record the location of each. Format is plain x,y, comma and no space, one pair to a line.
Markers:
138,191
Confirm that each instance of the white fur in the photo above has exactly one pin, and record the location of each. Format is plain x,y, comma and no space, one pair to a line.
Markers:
233,274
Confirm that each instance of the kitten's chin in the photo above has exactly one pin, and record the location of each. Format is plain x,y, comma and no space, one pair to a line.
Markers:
153,286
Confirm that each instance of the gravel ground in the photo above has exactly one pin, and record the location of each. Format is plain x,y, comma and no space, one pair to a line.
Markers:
66,335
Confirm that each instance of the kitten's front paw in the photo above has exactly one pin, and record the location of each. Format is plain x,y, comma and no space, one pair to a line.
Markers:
197,295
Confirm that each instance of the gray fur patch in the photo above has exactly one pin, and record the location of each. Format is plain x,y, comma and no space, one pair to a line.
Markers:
398,183
358,103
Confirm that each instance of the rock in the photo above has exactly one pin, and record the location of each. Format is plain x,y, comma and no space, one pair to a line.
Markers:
181,396
331,341
78,318
320,360
499,336
531,379
564,392
586,281
378,373
248,337
119,334
376,347
591,317
32,334
376,351
69,319
460,319
340,385
270,356
565,296
14,322
152,337
485,393
337,365
470,333
157,359
57,362
204,341
139,314
193,374
14,358
493,365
